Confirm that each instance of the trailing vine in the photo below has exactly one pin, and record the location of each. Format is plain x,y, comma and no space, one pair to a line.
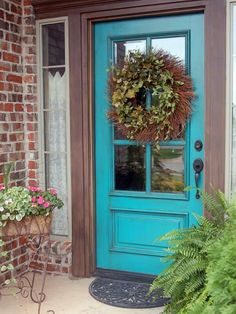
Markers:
159,76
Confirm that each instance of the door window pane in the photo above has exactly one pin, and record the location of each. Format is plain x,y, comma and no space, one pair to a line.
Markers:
53,44
130,167
168,169
173,45
123,47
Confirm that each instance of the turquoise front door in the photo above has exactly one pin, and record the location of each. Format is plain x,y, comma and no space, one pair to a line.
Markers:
139,189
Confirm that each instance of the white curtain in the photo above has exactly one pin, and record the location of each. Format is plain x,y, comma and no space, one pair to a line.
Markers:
56,145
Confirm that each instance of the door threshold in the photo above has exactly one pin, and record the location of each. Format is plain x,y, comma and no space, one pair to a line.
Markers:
123,275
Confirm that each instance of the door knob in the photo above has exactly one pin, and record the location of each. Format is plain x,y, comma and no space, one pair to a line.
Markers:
198,166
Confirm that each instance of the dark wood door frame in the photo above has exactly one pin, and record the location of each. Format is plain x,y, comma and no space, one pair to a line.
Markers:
82,15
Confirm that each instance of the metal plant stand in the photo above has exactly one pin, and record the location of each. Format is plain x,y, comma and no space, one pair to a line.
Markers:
39,247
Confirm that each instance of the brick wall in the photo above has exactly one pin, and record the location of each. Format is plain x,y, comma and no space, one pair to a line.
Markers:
18,102
18,257
19,111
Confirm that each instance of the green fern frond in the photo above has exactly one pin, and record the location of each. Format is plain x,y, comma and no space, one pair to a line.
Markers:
185,277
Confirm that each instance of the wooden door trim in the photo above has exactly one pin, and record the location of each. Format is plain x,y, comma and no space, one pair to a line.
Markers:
82,14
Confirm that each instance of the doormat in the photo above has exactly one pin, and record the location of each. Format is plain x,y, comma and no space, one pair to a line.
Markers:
126,294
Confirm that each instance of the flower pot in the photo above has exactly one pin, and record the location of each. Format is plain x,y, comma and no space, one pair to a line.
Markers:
31,225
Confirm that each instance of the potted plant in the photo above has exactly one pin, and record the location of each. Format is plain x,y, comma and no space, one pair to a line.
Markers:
26,210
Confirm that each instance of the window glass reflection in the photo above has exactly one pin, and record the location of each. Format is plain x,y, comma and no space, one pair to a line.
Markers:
173,45
168,169
123,47
130,167
53,44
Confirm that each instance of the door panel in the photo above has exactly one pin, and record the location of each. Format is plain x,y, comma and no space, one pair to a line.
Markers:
139,189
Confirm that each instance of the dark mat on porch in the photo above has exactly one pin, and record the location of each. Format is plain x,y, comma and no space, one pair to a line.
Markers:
127,294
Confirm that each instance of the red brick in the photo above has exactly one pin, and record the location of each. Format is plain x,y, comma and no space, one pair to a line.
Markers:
33,182
4,126
4,45
32,146
6,107
19,107
3,97
3,157
3,137
31,137
27,2
30,59
12,137
6,86
5,66
23,259
22,240
32,164
14,8
32,174
13,37
18,127
14,78
10,57
2,76
30,78
16,48
32,127
1,14
10,17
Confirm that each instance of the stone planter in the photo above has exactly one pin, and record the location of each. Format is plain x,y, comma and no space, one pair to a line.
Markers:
31,225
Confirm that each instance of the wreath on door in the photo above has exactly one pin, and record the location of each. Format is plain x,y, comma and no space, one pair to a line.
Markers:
159,76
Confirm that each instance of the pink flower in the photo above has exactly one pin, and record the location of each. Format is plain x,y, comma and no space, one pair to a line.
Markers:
46,204
40,200
34,189
53,191
33,199
2,187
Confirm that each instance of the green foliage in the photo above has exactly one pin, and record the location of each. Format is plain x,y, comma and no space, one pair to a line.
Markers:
219,295
14,203
7,266
185,278
6,173
19,202
131,82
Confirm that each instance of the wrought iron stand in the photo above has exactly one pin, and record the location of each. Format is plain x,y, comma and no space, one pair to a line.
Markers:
39,247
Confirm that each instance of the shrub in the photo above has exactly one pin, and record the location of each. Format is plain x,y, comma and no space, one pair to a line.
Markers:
185,278
219,295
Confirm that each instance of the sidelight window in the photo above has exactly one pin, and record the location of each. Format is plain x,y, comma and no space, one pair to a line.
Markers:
54,122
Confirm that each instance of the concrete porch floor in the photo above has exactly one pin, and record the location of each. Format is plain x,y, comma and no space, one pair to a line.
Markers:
65,296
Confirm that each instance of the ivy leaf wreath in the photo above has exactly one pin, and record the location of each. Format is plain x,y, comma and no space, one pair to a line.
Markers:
163,77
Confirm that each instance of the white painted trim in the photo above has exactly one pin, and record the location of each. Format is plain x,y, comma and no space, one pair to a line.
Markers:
229,89
39,24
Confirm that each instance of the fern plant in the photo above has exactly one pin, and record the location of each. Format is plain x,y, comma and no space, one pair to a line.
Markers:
185,277
219,295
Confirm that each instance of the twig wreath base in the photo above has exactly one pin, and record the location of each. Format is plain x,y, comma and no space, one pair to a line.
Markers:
163,77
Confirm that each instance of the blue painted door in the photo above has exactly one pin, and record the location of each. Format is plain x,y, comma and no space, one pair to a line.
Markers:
140,189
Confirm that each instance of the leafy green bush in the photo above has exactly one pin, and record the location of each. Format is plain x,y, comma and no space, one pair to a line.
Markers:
185,278
219,295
